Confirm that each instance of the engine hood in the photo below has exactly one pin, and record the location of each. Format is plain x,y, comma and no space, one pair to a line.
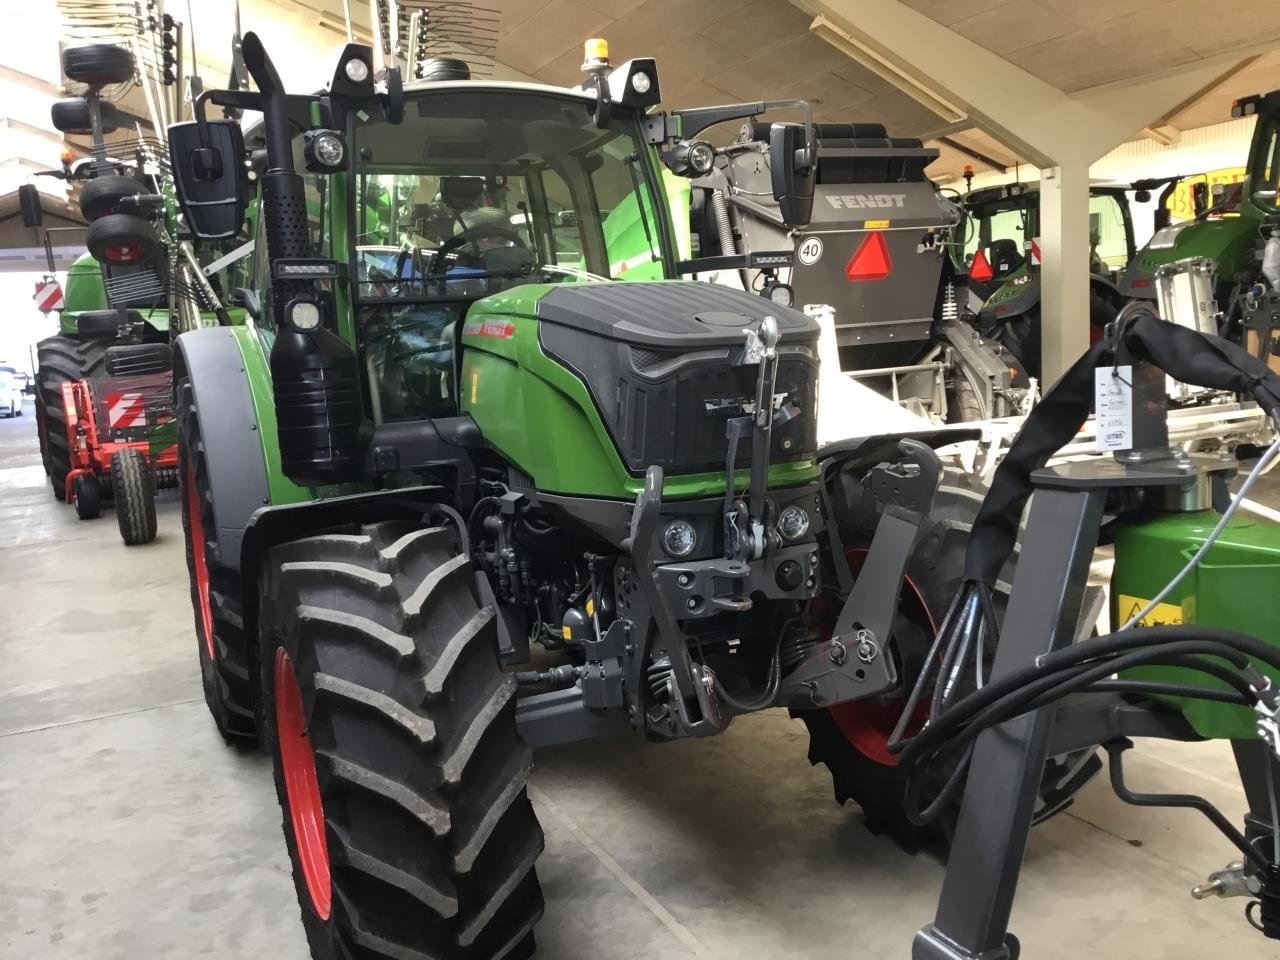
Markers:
667,314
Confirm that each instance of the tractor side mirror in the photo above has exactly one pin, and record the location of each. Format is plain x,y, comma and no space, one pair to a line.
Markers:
209,176
792,170
1200,196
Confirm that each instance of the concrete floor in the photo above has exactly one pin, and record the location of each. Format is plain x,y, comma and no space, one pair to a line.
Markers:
128,830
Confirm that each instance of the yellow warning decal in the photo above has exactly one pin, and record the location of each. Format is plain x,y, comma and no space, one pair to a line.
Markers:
591,607
876,224
475,383
566,633
1164,615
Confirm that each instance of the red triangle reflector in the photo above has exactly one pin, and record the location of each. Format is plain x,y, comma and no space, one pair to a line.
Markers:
980,268
871,261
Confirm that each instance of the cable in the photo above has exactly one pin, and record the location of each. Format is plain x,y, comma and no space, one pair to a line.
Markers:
1174,640
1258,469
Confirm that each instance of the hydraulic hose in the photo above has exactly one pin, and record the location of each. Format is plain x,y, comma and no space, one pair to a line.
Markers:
1050,689
1233,646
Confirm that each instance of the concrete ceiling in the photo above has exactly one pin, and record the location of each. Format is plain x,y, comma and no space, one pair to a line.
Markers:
1076,44
717,51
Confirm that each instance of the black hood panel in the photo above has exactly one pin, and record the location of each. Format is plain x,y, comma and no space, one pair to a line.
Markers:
661,314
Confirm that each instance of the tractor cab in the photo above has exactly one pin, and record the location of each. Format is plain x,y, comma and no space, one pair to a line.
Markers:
516,186
1221,225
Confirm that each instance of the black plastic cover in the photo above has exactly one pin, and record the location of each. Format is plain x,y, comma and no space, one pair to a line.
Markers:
209,180
670,314
662,362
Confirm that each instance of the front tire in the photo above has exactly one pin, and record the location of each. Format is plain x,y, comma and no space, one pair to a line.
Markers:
215,588
851,739
400,774
134,484
88,496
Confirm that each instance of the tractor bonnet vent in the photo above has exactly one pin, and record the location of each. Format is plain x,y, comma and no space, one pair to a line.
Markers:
443,68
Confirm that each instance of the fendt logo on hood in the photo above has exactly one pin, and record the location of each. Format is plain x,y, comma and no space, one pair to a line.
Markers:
867,201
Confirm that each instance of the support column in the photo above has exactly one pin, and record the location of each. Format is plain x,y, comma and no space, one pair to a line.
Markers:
1064,269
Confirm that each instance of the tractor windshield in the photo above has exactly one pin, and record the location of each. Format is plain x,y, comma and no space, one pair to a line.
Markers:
479,190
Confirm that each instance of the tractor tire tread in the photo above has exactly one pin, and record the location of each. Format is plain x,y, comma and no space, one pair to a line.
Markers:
368,618
134,484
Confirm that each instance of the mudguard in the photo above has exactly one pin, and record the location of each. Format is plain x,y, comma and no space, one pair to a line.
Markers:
210,358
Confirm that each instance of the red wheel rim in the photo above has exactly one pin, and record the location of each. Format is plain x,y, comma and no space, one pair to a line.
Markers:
298,766
866,724
124,252
195,523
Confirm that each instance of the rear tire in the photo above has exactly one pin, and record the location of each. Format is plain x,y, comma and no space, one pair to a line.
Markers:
61,359
88,494
869,777
215,588
404,806
134,485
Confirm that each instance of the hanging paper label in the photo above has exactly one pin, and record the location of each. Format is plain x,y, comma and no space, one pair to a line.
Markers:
1113,401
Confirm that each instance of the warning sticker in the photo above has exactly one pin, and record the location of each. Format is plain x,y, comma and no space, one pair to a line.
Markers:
1164,615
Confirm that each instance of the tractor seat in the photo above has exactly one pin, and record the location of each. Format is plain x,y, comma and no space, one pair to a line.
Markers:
1005,257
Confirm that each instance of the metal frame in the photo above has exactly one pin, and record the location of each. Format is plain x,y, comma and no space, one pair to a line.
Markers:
1008,761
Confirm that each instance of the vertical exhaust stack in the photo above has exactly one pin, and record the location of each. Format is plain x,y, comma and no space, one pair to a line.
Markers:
314,372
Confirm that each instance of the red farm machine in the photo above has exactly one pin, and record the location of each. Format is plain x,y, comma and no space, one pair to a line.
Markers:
121,436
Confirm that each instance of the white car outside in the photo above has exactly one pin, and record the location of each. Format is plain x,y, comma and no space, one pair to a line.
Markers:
10,394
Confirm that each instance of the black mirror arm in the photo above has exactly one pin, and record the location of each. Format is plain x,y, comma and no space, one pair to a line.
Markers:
696,119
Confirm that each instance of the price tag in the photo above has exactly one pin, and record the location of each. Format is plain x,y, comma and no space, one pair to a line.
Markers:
1113,401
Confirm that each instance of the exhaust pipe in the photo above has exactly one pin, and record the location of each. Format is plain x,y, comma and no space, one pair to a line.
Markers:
314,372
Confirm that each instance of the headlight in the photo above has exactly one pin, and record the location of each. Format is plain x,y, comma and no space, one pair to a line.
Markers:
357,70
303,315
323,150
679,538
690,158
641,82
779,293
793,523
1165,238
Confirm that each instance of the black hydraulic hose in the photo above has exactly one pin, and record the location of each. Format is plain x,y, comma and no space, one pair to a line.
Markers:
954,659
1080,679
1001,700
1165,689
922,681
1146,687
1237,647
1040,692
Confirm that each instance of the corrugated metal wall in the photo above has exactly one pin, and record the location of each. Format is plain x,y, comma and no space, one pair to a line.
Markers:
1199,150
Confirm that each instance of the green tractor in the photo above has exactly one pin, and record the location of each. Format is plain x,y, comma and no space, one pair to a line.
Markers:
1001,256
1226,239
481,475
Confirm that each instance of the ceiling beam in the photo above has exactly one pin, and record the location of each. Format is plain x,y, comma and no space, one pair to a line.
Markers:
909,82
982,158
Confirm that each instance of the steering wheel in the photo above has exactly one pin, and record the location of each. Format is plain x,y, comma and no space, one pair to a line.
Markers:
470,235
